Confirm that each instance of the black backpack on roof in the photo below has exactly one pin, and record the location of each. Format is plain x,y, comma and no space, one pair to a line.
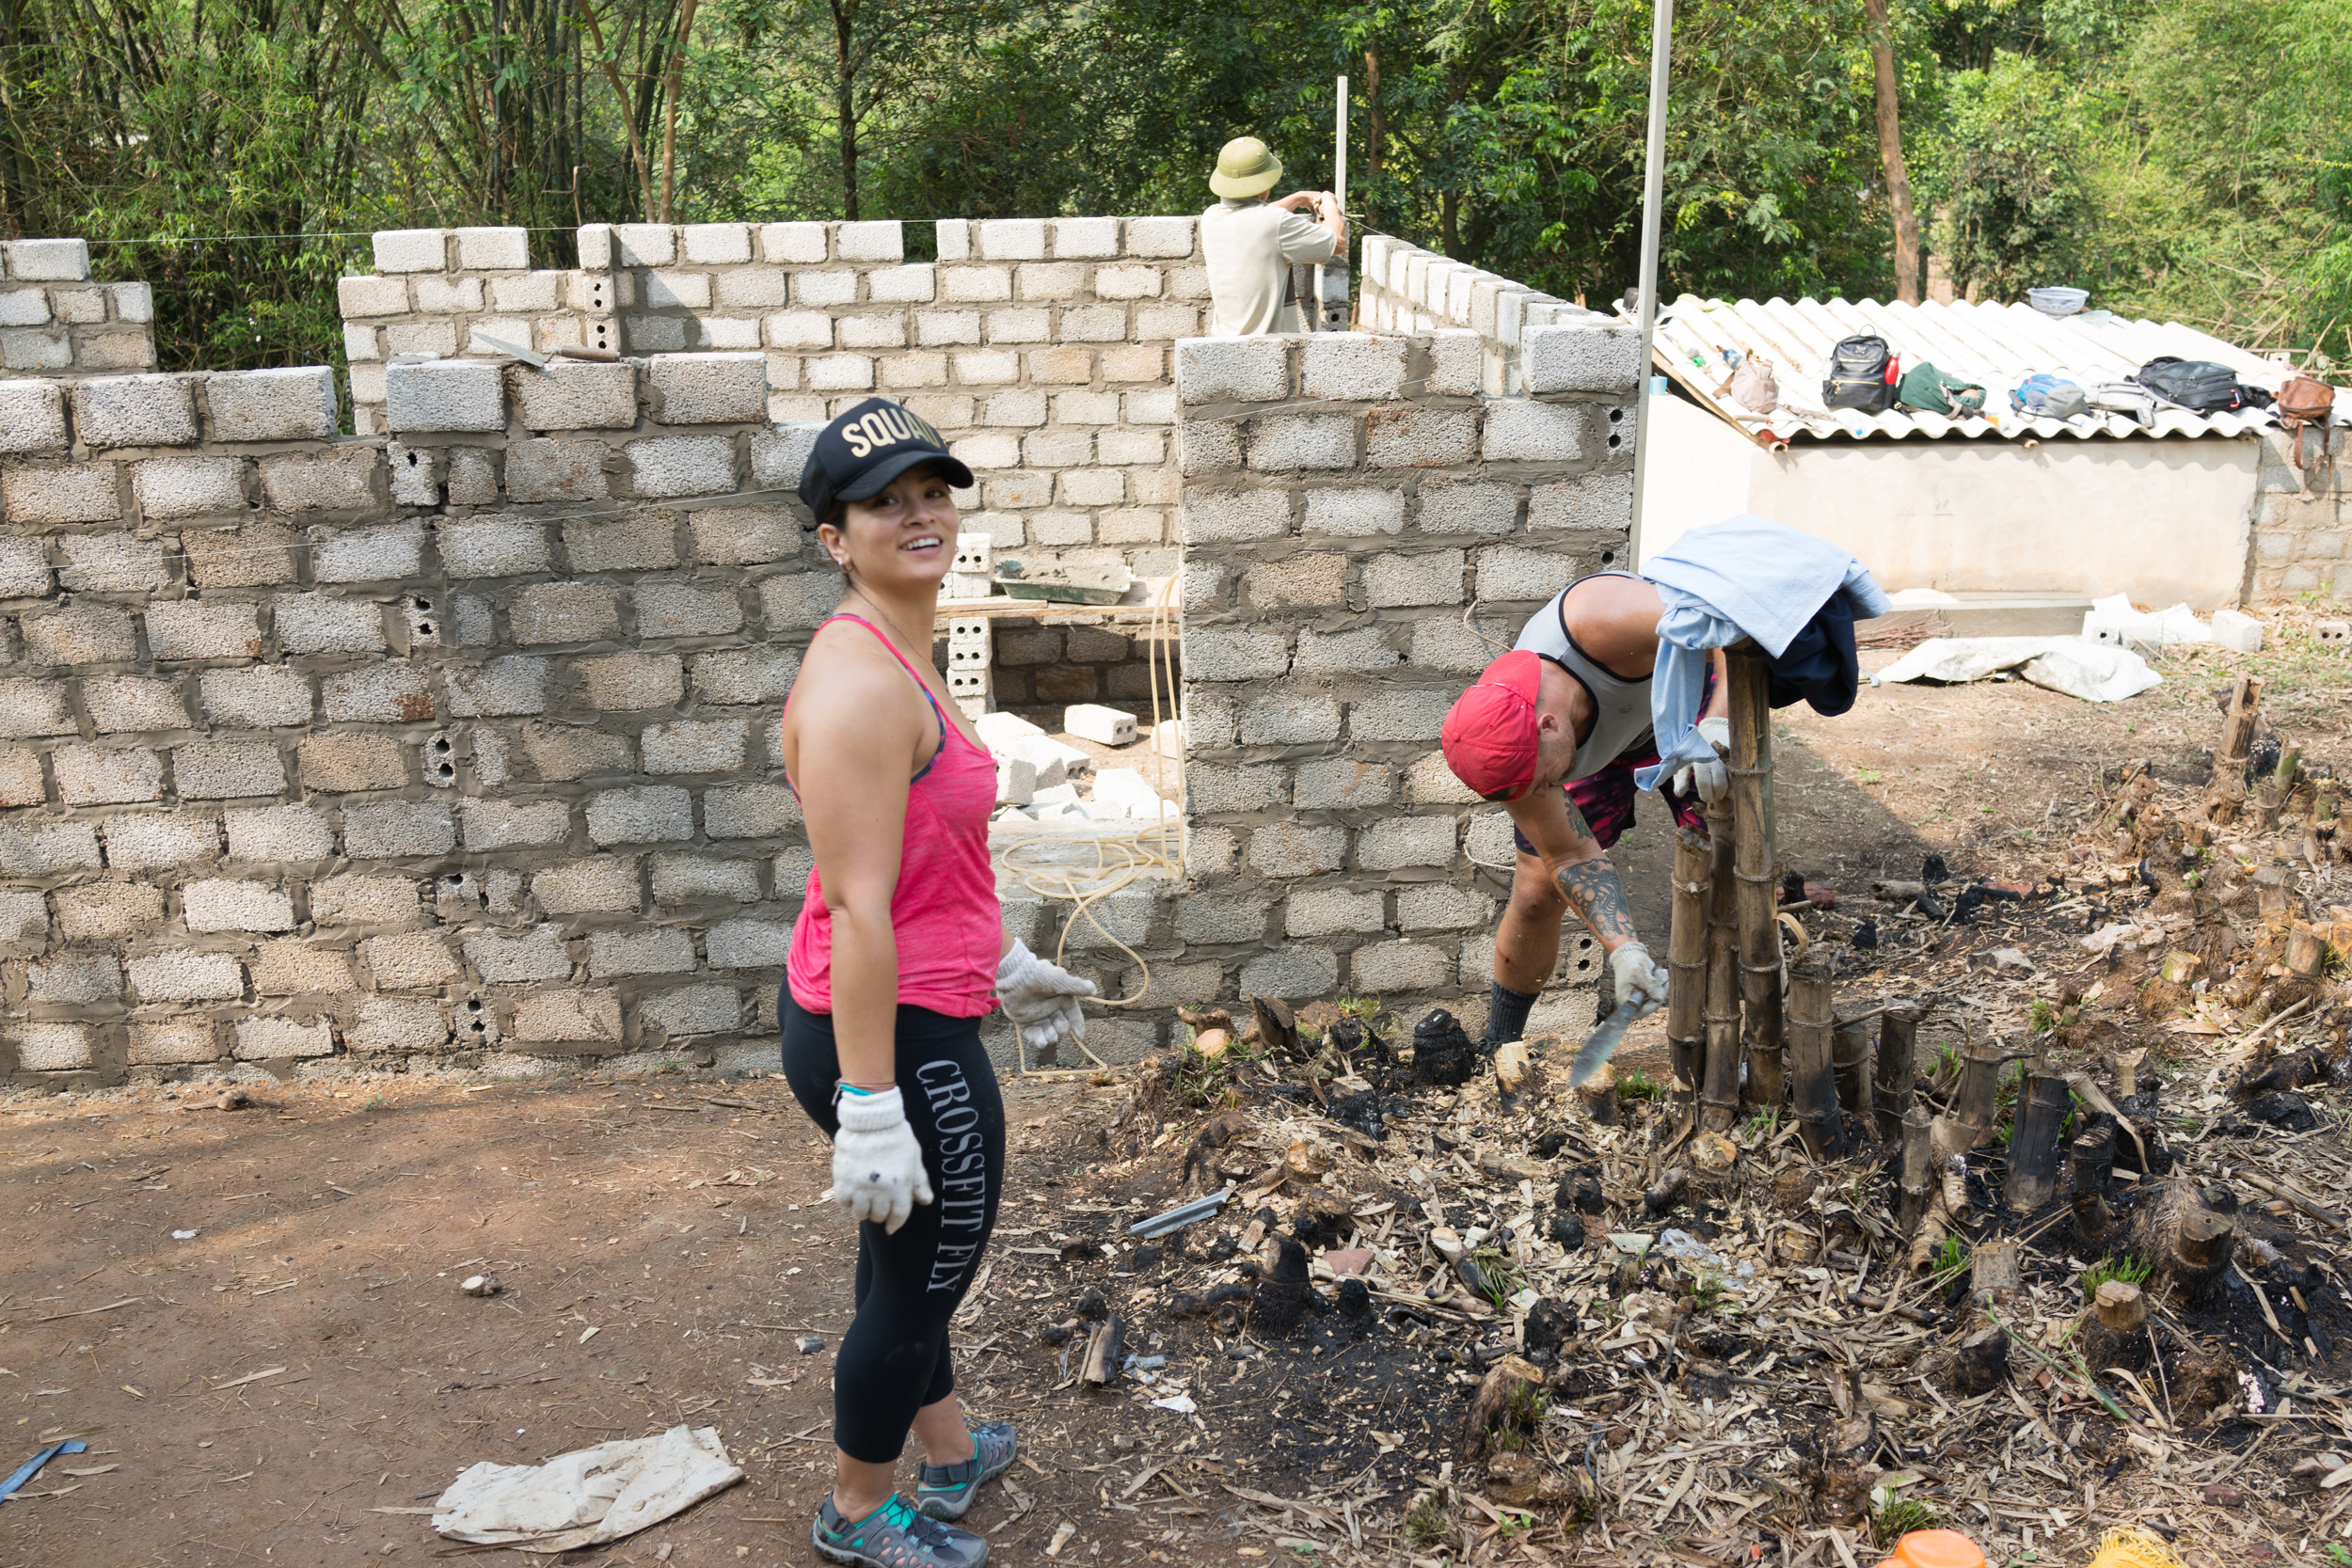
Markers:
2198,385
1858,377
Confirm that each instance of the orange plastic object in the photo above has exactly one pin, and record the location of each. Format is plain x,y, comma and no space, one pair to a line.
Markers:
1935,1548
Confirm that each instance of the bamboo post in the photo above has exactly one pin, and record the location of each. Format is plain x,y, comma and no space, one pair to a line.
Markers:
1975,1103
1849,1055
1918,1169
2274,788
1812,1079
1898,1044
1685,965
2226,795
2033,1142
1760,929
1719,1097
2306,954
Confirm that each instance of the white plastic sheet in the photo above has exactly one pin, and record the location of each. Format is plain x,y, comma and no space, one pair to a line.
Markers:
589,1497
2091,671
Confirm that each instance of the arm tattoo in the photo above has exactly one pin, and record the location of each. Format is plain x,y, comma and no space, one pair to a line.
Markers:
1593,891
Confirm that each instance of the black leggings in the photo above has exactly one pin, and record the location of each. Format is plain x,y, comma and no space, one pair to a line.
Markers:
895,1360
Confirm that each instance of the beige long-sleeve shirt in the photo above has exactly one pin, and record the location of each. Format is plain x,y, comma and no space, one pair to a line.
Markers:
1249,246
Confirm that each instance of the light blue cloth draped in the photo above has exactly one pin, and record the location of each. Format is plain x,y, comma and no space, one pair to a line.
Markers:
1744,577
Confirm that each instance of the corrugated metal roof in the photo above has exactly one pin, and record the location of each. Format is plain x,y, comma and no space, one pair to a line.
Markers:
1999,345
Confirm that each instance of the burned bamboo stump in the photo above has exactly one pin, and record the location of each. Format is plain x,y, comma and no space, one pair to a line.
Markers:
1812,1077
1758,909
1719,1094
2271,796
1685,965
2225,797
2114,1326
1898,1044
2033,1142
2092,1159
1976,1104
1918,1177
2185,1242
1850,1056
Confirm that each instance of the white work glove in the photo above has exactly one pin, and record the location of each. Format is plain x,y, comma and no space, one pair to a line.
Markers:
877,1165
1710,777
1040,998
1635,976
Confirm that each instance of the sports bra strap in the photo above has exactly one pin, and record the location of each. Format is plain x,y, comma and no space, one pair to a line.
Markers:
920,684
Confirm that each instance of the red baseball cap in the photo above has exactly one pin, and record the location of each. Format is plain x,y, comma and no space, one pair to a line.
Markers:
1489,733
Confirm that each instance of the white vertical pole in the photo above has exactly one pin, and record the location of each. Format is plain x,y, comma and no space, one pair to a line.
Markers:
1339,175
1653,201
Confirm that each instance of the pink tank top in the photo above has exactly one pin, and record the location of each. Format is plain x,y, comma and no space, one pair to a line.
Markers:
943,909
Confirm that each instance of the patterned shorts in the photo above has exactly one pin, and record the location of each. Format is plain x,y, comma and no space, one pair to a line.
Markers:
1606,798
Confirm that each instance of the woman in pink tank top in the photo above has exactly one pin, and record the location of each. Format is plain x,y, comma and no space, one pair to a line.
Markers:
898,951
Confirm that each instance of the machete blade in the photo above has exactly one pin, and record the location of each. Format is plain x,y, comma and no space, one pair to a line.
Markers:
1603,1043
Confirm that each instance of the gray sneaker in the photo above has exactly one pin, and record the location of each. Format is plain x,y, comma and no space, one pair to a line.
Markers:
945,1491
894,1536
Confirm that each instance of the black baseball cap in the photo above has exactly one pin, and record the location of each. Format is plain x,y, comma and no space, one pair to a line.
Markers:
866,448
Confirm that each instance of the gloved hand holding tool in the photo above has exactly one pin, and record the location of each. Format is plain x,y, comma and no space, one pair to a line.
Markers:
1040,998
1637,980
877,1165
1711,778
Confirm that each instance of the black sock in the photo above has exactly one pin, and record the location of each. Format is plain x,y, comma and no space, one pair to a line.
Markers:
1506,1013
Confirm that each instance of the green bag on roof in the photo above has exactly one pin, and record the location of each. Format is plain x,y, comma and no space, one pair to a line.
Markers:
1925,389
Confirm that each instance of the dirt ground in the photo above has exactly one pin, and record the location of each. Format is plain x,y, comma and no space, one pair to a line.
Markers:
296,1380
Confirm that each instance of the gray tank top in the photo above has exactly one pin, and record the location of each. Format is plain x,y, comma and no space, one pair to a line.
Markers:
1620,708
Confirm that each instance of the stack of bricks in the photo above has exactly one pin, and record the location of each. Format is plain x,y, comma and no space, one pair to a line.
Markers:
1347,495
1039,347
432,747
55,320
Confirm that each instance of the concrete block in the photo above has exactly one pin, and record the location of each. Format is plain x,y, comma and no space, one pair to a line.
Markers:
366,554
946,329
1319,580
29,708
218,904
494,547
397,829
644,245
1301,440
778,455
279,835
19,780
693,1010
179,976
748,944
389,1023
1295,971
824,290
1421,438
2238,631
597,885
259,698
1220,921
175,1042
569,752
1010,238
798,329
443,395
643,816
711,388
745,674
753,288
511,824
320,624
101,911
362,298
49,260
74,979
352,900
908,285
1232,654
1510,572
32,416
1341,784
1160,236
1284,718
1424,578
629,682
391,694
133,843
872,332
408,960
24,564
75,492
412,250
575,394
54,1047
229,769
338,480
535,954
24,308
1355,512
1398,842
37,349
737,537
1365,650
1455,363
1412,715
682,466
1214,787
80,634
1233,370
1591,501
715,244
1351,366
677,291
135,411
188,486
1466,506
644,952
695,746
644,541
800,244
566,612
1322,911
974,285
840,372
750,811
343,764
1523,432
882,240
686,878
1597,357
535,294
571,1016
106,776
1213,517
1399,966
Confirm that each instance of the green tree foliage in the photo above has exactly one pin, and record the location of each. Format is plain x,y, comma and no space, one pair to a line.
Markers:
2011,191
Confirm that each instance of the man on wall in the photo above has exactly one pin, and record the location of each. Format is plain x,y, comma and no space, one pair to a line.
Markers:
1250,243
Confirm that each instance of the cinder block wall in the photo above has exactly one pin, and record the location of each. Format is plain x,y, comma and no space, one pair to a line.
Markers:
1363,531
1038,346
53,321
445,744
1403,288
2301,543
